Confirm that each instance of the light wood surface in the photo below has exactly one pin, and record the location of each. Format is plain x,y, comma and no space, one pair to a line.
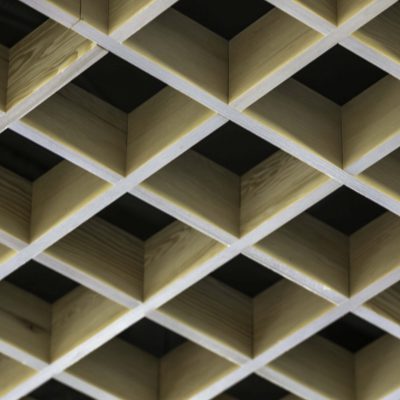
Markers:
303,116
109,153
120,370
272,186
262,48
172,253
51,49
59,193
187,48
202,186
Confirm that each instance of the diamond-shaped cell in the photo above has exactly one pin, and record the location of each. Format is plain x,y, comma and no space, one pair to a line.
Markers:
56,390
149,362
340,109
240,311
340,234
254,388
188,39
45,316
39,189
349,359
230,183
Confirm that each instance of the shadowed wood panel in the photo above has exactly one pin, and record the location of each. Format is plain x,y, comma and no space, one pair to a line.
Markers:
320,367
39,57
371,124
12,374
165,119
201,186
188,49
61,192
188,369
282,310
262,49
3,77
217,311
382,32
96,131
173,253
374,252
24,321
273,186
313,248
301,115
377,369
347,9
106,253
77,317
326,9
15,205
119,369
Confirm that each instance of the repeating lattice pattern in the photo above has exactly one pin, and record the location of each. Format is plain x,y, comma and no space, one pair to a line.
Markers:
219,215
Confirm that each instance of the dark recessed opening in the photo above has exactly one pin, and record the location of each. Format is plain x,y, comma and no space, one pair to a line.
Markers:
118,83
346,210
25,158
352,333
16,21
152,338
339,75
136,217
234,148
246,276
41,282
256,388
53,390
224,17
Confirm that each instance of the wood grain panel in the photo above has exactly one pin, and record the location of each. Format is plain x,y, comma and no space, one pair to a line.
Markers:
302,116
282,310
3,77
40,56
326,9
106,253
61,192
77,317
24,321
215,310
273,186
15,205
189,369
121,370
188,49
173,253
320,366
371,121
161,122
267,45
201,186
96,131
313,248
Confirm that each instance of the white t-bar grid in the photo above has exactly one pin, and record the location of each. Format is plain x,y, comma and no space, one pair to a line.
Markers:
146,152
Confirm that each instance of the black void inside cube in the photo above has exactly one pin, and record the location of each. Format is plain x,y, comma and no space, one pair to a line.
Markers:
152,338
118,83
256,388
246,276
41,281
234,148
53,390
136,217
225,18
16,21
346,210
339,75
352,333
25,158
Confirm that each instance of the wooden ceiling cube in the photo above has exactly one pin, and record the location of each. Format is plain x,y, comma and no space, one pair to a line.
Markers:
199,199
